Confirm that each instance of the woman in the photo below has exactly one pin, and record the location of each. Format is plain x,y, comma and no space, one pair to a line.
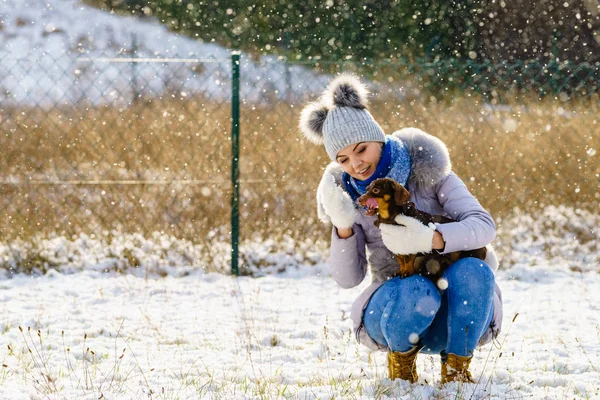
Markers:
410,315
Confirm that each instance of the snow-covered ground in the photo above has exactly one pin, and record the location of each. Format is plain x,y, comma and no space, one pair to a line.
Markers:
63,52
199,333
280,336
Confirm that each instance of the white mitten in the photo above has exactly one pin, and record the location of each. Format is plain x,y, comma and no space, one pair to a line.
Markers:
410,236
334,203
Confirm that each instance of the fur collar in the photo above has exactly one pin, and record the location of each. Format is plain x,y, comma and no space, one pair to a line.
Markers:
429,159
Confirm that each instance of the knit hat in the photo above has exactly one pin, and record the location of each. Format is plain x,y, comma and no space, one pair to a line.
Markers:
340,118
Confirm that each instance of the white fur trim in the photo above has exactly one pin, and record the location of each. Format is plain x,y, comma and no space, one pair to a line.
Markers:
429,157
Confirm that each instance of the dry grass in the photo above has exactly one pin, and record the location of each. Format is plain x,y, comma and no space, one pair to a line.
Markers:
524,155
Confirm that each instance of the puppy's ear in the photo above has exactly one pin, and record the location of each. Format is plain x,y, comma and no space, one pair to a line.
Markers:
401,195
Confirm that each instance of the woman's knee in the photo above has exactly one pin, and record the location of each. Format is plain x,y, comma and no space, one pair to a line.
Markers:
400,310
408,316
469,270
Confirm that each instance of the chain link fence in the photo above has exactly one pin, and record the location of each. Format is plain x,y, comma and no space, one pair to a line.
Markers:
144,145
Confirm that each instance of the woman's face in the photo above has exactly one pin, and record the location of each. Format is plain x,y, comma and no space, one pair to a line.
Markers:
360,160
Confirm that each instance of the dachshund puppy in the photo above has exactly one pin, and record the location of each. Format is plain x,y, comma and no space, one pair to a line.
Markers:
388,199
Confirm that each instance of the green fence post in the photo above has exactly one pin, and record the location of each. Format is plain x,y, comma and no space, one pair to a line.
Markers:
235,153
134,89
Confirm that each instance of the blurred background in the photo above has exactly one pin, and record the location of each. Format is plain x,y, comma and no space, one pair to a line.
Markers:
116,121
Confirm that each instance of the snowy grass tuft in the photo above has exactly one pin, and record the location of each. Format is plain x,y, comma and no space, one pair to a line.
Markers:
157,255
565,236
90,370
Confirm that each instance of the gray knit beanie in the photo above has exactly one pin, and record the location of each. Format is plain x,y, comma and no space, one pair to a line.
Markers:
340,118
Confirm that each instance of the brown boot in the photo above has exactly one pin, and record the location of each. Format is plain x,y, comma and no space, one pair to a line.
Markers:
456,368
403,365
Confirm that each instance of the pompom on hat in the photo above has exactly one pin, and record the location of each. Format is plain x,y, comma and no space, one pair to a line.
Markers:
340,118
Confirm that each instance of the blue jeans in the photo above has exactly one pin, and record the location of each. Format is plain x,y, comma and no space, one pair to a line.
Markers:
404,312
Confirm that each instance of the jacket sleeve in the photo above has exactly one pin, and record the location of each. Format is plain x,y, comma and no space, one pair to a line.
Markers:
474,226
347,258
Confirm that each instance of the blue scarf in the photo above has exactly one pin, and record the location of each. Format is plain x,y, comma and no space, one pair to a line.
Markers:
394,163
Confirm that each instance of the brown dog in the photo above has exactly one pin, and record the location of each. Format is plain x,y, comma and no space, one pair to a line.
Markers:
389,199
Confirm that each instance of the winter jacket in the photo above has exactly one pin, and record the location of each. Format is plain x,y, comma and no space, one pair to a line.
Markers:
435,189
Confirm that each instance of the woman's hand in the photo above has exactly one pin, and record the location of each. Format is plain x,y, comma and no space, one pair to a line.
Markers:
410,236
337,206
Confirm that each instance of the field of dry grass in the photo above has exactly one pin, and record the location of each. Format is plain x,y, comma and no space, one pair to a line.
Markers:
164,165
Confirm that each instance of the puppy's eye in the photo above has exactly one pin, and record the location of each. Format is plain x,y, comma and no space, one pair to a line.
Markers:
376,191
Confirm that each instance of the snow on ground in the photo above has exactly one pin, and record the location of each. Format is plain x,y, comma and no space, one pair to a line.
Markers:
58,51
280,336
